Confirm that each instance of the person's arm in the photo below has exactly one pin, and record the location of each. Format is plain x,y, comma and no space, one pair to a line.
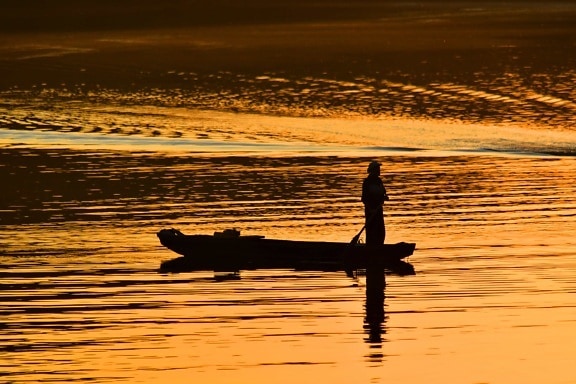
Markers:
385,195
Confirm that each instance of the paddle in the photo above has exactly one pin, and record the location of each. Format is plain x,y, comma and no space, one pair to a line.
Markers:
355,239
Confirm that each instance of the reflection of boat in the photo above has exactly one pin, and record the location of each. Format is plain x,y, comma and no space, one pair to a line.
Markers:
228,251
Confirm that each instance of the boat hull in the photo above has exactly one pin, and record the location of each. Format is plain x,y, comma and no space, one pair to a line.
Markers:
218,253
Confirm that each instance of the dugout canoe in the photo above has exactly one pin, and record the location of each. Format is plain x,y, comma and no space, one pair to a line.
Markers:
230,251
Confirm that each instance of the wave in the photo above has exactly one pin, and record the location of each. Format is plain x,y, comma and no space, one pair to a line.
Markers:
272,145
274,114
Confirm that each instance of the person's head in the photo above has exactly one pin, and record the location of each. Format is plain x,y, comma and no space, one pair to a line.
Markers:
374,168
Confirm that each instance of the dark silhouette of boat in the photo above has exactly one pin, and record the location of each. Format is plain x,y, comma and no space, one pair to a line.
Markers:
229,251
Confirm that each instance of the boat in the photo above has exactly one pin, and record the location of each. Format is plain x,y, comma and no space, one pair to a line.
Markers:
230,251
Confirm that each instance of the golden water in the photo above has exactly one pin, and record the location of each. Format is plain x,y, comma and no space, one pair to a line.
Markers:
264,118
81,298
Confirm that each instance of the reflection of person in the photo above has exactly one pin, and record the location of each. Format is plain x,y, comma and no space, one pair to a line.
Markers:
373,197
375,314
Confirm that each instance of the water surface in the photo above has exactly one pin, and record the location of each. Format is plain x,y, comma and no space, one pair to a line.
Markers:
111,133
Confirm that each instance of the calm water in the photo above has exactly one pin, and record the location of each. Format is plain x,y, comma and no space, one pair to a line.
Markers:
107,137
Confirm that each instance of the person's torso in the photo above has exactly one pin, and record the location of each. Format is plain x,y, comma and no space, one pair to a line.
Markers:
373,191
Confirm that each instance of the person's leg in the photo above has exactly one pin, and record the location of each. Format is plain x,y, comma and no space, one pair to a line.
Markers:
375,231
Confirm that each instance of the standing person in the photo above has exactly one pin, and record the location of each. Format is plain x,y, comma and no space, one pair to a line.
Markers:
373,197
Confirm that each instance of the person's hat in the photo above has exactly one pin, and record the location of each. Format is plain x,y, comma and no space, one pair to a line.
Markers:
374,166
